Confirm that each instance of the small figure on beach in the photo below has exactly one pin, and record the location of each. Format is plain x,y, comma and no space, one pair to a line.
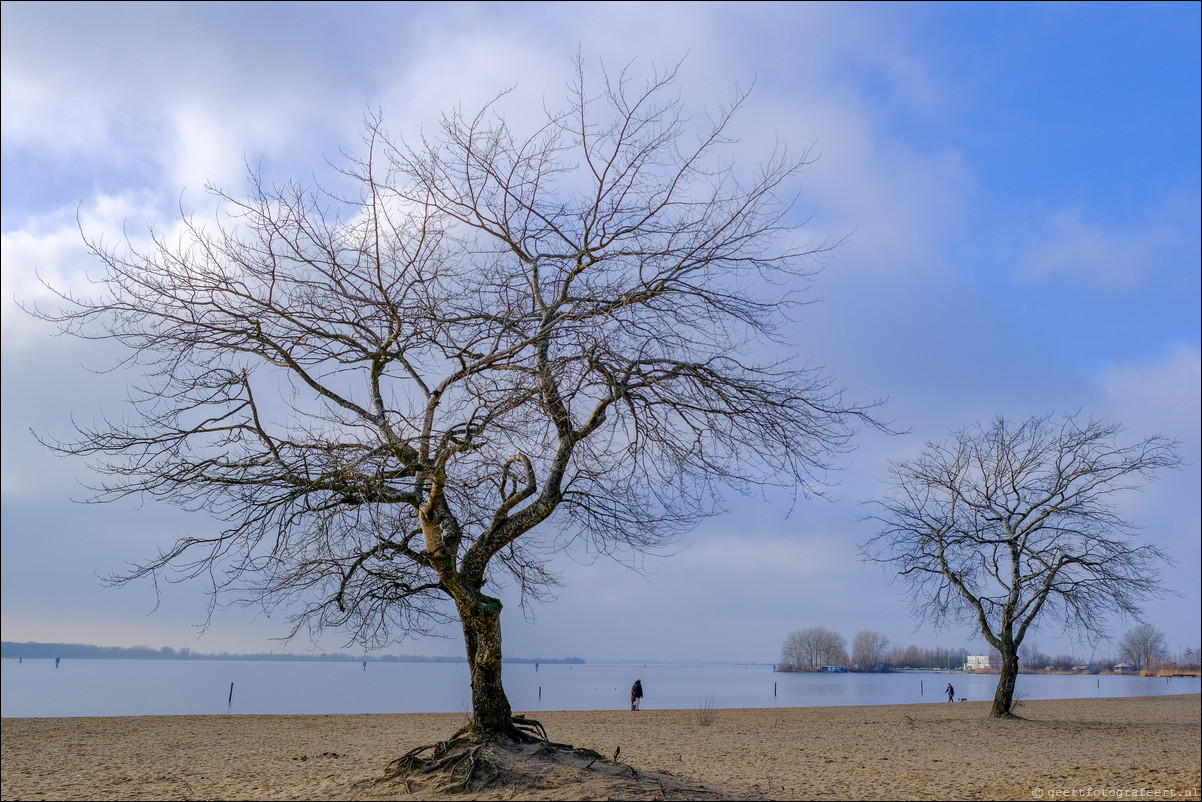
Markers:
636,694
57,660
951,692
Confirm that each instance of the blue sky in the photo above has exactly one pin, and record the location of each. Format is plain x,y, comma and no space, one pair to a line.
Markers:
1019,185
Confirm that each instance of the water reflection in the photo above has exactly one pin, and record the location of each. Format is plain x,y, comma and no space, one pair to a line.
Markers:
33,688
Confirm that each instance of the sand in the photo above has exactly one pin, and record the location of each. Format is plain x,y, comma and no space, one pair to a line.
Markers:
1064,749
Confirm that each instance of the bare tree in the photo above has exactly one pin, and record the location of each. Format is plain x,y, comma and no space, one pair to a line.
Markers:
1030,658
796,652
808,649
927,657
1005,525
868,650
1063,662
1191,657
1144,645
486,347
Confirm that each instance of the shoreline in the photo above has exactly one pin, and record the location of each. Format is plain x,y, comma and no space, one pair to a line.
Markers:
910,751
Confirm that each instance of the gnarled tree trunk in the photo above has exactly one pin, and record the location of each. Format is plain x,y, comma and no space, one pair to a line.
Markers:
1003,698
492,717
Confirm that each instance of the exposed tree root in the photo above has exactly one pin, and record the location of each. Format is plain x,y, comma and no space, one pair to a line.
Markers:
456,762
526,762
1006,716
530,728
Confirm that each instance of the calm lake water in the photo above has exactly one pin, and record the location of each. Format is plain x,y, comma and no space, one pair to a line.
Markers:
35,688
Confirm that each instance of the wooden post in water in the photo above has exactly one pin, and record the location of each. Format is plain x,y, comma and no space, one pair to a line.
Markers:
540,693
231,699
920,687
774,689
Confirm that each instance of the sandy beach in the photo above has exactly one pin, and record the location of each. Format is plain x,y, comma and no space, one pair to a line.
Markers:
1061,749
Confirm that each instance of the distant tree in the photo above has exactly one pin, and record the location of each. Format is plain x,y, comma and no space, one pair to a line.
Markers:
808,649
869,650
995,656
942,657
1191,658
1144,645
912,656
906,657
1062,662
1030,658
476,350
1024,656
799,652
1005,525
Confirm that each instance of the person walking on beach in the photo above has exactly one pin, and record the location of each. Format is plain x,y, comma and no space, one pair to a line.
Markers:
636,694
951,692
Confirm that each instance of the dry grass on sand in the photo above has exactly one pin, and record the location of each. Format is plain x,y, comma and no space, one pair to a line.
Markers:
1148,745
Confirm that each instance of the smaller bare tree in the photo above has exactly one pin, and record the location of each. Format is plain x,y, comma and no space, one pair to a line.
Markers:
1144,645
1009,524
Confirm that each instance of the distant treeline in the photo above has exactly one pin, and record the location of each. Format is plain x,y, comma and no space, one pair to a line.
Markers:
83,651
812,649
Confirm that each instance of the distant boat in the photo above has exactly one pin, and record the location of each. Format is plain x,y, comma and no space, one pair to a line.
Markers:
834,669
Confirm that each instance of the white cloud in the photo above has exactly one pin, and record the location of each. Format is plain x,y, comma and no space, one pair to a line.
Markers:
51,116
1117,257
899,205
1162,395
752,558
1095,254
50,249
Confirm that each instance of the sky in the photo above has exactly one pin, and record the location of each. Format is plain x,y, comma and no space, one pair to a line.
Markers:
1018,187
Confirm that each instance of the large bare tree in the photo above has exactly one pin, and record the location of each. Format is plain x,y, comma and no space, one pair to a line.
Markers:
486,346
1006,525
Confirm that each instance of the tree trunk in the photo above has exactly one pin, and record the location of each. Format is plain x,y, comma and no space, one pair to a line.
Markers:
1003,699
492,718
